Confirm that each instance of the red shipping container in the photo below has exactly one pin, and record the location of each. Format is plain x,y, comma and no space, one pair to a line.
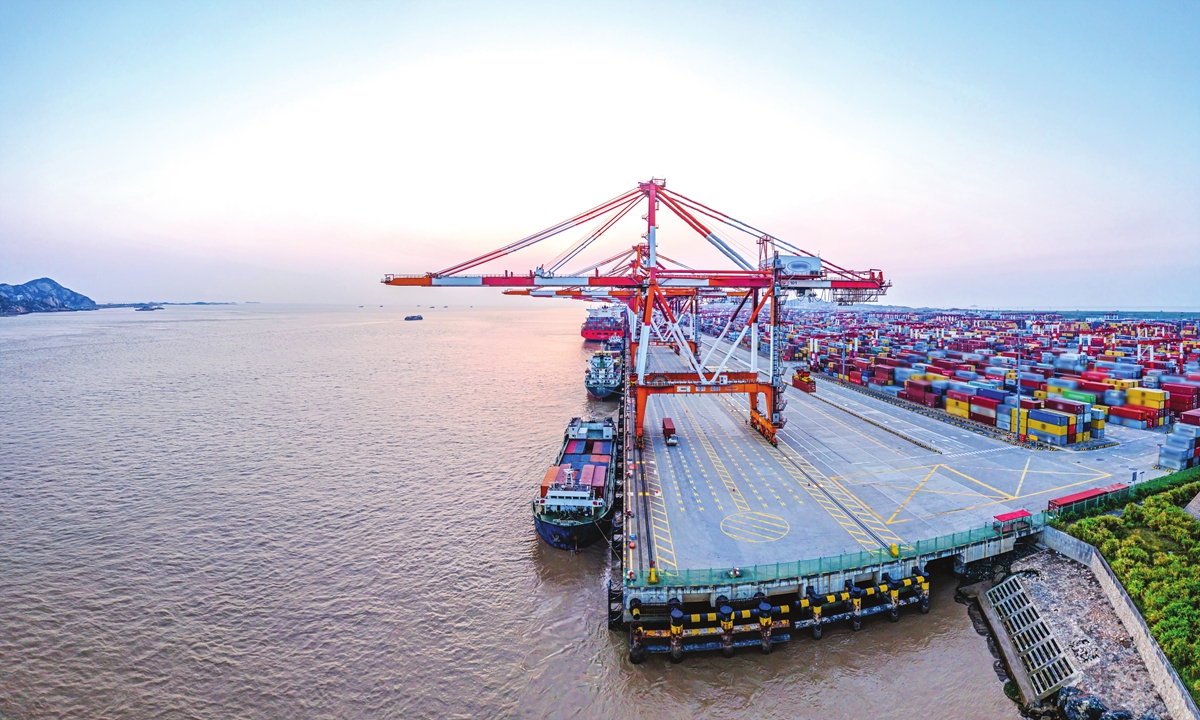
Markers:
1132,412
1096,376
1092,387
959,395
984,402
983,419
601,459
1181,403
1072,407
1191,417
1181,389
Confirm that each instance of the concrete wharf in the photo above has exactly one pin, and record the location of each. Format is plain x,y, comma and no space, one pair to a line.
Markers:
856,490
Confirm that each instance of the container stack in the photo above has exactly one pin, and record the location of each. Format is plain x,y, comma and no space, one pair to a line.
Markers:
1180,451
1133,372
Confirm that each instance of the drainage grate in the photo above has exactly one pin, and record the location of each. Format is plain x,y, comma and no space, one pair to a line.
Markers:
1042,657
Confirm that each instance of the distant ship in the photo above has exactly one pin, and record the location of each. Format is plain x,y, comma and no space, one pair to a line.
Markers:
147,308
413,317
577,493
603,376
603,323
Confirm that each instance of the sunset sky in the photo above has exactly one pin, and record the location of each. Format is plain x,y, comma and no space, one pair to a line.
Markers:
1021,154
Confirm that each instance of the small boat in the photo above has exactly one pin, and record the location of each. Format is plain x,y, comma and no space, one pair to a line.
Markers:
147,308
413,317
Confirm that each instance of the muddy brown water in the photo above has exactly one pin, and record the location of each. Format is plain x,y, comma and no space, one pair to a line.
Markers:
277,511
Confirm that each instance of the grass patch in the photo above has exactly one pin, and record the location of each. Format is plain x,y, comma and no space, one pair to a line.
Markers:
1154,549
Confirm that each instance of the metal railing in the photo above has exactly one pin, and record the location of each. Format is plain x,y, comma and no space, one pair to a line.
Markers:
1120,498
837,563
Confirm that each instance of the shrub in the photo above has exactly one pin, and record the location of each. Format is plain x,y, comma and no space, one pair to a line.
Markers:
1154,549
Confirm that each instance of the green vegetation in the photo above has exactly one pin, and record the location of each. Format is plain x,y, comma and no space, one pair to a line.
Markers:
1116,500
1154,549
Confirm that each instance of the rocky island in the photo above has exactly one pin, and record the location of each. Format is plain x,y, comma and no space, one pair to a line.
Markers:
41,295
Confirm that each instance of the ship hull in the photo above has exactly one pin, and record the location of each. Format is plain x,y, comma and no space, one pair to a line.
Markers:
599,335
568,537
601,392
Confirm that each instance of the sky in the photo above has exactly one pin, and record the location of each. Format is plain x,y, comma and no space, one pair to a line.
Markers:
1014,154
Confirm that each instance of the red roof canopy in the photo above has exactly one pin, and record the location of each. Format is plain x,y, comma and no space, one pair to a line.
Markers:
1014,515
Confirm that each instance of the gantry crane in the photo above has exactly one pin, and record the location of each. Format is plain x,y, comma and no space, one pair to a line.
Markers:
660,292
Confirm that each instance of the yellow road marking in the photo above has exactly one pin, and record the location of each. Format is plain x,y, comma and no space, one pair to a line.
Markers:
1023,474
983,484
913,493
726,478
660,526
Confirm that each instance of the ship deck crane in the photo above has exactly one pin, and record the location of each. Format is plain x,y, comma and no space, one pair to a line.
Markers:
659,292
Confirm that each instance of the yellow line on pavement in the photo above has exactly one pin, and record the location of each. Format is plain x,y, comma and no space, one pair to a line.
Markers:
913,493
1023,474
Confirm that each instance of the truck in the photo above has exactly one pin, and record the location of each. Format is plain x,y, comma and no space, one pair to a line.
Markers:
669,431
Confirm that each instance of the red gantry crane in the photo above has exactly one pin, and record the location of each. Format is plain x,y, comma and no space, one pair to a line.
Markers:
661,294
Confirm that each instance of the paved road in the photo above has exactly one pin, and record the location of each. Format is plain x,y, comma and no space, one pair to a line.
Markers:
726,497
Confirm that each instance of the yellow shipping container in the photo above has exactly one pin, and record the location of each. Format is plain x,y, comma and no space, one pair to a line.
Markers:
957,407
1039,394
1152,404
1047,427
1012,418
1097,424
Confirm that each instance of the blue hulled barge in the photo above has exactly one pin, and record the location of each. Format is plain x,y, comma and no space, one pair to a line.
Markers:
575,504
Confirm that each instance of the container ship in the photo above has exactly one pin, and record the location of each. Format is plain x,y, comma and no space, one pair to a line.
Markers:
576,498
603,323
603,376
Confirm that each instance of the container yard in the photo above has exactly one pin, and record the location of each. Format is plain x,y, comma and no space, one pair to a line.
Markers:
781,466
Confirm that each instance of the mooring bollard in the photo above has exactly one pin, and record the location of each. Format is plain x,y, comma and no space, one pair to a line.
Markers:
816,628
676,635
765,625
725,616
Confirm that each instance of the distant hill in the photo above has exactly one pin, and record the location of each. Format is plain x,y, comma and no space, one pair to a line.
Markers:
41,295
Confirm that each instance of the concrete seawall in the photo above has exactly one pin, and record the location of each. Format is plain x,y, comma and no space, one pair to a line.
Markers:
1166,681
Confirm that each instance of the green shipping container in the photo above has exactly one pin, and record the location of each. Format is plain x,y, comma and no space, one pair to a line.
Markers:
1079,396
